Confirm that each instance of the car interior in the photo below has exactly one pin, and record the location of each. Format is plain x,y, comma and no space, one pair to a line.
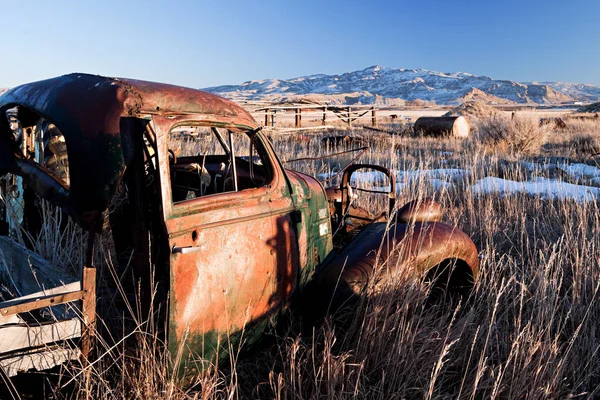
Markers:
203,162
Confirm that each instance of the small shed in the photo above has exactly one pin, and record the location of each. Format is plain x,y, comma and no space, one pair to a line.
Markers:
443,126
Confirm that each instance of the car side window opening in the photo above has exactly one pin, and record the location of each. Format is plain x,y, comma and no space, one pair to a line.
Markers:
206,161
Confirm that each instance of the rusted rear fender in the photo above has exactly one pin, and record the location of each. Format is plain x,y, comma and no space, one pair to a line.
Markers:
385,252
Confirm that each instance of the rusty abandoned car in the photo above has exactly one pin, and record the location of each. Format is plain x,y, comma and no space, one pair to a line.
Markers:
216,231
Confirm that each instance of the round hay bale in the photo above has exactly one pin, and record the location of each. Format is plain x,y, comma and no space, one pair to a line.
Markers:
443,126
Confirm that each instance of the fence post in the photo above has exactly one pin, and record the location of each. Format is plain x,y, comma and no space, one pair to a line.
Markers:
88,301
88,309
267,117
373,116
298,118
349,117
324,115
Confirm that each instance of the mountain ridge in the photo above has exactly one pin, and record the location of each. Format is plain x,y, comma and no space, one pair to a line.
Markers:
376,84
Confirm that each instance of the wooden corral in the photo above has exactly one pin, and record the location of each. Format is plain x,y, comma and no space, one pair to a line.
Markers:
322,114
442,126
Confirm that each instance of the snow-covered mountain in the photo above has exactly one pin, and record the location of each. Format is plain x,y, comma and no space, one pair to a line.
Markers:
380,84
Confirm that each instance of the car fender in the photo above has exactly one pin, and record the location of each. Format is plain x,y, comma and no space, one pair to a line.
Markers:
383,251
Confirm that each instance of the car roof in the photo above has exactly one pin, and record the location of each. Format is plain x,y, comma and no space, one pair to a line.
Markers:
81,94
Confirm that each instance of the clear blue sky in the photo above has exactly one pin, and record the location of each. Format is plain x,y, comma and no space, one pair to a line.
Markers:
207,43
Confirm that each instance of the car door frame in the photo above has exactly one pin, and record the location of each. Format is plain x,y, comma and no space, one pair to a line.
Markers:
240,215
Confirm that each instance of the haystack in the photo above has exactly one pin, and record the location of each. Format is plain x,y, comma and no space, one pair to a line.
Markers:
472,109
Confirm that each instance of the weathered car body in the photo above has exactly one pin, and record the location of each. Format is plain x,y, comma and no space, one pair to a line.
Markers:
226,237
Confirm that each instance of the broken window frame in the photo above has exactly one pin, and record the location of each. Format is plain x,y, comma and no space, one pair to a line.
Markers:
228,147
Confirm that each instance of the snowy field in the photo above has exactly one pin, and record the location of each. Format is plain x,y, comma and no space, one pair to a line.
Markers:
538,186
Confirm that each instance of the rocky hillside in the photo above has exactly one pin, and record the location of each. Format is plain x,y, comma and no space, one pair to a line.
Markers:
377,84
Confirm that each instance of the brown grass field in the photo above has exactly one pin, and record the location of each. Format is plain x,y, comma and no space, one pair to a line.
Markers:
528,330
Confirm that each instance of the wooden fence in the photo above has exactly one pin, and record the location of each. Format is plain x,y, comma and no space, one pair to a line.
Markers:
347,114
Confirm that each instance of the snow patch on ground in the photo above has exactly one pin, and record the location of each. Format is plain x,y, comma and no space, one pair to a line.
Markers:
439,178
575,171
543,187
579,171
446,178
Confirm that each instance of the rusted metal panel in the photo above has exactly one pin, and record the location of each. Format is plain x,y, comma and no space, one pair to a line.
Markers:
423,210
241,285
117,97
406,248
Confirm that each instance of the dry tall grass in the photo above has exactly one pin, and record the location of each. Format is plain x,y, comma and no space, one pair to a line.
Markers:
528,329
520,135
583,136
